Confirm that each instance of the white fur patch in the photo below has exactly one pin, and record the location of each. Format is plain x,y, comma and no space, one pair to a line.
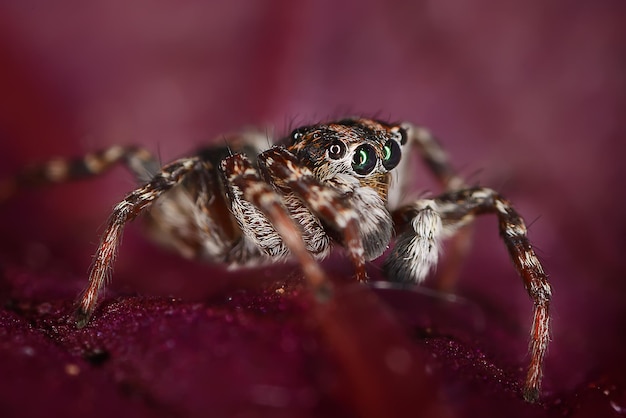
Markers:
423,249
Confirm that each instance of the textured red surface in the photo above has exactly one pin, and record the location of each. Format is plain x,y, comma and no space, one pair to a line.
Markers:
528,97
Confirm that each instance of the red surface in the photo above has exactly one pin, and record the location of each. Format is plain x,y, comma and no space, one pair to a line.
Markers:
528,97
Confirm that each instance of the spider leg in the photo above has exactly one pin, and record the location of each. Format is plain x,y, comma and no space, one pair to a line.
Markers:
418,243
128,209
434,156
456,208
138,160
243,181
436,159
281,168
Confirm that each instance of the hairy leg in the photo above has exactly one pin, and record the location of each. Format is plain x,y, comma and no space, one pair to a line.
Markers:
246,187
281,168
138,160
434,156
455,209
128,209
436,159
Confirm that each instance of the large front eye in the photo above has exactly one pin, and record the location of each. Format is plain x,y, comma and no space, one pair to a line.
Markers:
391,154
336,150
364,159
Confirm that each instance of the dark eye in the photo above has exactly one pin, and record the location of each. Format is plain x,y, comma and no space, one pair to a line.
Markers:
403,136
336,150
391,154
364,159
296,135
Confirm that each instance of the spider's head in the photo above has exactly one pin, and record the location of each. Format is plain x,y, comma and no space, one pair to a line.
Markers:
364,149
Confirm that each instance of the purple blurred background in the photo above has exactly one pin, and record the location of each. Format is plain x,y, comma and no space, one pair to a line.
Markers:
528,97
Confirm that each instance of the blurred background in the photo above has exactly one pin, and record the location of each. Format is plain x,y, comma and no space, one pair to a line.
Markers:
528,97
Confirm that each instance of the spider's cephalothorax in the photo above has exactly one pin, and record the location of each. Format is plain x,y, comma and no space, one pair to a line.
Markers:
363,149
324,185
354,158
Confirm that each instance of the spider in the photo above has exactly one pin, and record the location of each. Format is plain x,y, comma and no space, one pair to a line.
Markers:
326,184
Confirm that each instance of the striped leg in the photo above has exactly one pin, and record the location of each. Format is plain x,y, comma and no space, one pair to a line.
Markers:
459,207
434,156
138,160
246,187
282,169
436,159
128,209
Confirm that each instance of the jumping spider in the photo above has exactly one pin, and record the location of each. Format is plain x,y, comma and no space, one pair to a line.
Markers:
243,204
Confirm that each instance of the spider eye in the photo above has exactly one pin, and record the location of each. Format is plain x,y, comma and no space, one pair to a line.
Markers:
336,150
403,136
364,159
296,135
392,154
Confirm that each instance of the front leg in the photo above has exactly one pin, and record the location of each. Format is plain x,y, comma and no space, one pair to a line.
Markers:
282,169
451,210
421,141
418,244
249,194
